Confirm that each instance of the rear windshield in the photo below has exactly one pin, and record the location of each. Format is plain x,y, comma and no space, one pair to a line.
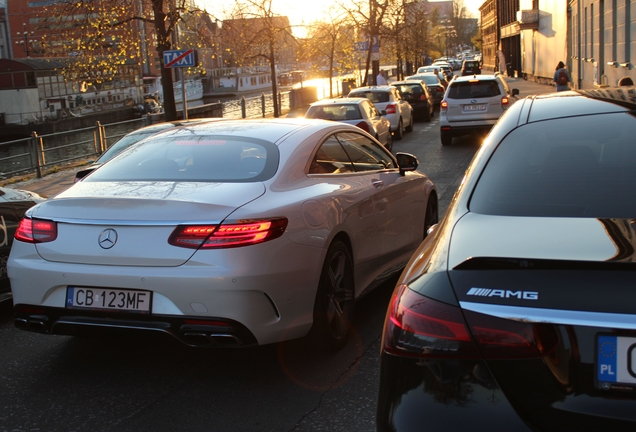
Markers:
373,96
407,90
428,79
334,112
473,89
193,157
471,64
570,167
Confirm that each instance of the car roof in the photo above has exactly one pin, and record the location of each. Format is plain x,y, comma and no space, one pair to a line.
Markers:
334,101
486,77
366,88
579,102
408,82
412,77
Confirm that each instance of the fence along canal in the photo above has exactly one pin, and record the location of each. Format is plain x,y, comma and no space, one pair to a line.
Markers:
40,152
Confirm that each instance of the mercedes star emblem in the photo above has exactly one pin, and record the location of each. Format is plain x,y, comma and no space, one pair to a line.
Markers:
107,238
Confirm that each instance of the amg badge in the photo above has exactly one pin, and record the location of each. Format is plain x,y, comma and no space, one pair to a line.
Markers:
486,292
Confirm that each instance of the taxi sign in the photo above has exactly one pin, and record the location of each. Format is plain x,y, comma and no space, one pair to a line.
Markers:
179,58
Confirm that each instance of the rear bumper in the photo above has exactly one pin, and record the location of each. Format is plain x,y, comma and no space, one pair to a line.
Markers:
466,128
192,331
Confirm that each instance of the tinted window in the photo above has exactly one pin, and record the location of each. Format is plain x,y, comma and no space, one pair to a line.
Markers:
473,89
330,159
334,112
409,91
124,143
373,96
571,167
193,158
429,79
366,154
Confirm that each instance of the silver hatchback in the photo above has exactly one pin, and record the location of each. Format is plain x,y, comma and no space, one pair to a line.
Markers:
473,104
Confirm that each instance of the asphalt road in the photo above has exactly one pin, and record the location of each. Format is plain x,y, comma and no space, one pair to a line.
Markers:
59,383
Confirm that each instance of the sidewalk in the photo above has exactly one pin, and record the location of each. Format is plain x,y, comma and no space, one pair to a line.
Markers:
52,184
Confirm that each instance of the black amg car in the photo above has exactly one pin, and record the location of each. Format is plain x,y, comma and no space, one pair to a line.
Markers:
518,311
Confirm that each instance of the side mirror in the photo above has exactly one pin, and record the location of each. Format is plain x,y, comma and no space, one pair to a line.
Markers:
406,162
515,92
383,112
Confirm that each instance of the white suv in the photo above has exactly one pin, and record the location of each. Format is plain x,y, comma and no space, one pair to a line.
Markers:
398,111
473,104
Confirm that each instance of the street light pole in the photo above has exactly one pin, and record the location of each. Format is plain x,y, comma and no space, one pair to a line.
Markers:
26,43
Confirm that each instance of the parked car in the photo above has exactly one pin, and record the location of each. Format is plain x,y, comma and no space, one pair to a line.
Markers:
518,313
434,84
446,68
471,67
130,139
431,69
398,111
234,233
13,204
419,96
473,104
360,112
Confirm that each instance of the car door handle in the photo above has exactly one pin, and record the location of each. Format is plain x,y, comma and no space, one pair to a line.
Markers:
378,184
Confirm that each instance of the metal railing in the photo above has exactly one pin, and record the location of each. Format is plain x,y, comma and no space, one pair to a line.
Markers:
40,152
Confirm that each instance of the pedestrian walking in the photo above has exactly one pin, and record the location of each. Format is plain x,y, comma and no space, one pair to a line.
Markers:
562,77
380,80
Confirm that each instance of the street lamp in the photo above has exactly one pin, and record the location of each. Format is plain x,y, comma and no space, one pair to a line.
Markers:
26,43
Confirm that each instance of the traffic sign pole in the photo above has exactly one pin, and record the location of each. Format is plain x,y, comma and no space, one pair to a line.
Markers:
180,59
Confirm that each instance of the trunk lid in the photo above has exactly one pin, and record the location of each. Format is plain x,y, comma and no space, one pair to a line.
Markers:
574,279
137,218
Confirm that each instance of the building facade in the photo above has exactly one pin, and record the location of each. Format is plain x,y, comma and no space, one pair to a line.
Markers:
602,46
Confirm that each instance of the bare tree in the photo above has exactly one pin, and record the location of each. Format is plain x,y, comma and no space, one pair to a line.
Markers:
331,40
369,16
257,32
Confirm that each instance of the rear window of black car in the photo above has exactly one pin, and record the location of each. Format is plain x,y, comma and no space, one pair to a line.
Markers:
408,90
569,167
473,89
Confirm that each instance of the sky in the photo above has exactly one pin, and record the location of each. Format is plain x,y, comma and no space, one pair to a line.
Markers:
303,12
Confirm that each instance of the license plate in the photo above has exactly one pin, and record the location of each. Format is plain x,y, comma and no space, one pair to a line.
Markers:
108,299
616,362
479,107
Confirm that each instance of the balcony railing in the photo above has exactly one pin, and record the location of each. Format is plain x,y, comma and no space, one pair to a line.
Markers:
528,19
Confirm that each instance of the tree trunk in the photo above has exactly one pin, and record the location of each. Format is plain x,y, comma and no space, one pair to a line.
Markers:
163,44
272,65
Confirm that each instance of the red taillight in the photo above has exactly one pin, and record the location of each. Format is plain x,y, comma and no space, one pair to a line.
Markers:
419,326
423,97
390,109
242,233
505,102
505,338
443,105
363,125
440,89
36,231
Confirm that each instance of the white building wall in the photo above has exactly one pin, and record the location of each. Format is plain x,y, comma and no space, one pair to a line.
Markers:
604,41
543,48
20,106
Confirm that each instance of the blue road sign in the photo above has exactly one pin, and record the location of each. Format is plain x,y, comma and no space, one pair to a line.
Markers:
364,46
179,58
